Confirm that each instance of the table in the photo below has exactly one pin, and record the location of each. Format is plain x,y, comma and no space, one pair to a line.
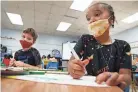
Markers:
14,85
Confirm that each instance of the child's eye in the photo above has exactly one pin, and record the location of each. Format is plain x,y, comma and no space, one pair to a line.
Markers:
88,19
97,14
29,38
23,36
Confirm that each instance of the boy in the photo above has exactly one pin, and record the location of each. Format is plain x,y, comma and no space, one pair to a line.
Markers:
28,56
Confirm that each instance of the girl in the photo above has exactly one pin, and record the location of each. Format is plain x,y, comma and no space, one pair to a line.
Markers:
108,59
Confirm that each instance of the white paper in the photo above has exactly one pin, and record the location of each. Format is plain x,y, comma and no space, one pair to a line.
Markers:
62,79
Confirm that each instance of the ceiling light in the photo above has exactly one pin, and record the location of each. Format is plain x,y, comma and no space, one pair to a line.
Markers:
63,26
80,5
15,18
131,18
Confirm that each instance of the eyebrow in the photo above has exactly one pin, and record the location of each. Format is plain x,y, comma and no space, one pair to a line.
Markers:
96,10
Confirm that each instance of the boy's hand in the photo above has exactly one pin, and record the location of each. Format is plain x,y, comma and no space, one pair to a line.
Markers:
12,62
19,63
76,68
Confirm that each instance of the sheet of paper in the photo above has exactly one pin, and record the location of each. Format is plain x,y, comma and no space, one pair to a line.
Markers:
56,72
61,79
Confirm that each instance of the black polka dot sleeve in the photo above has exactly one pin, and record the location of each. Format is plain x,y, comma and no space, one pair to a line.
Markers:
126,57
79,47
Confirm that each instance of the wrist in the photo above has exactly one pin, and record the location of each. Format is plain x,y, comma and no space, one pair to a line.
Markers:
126,78
25,65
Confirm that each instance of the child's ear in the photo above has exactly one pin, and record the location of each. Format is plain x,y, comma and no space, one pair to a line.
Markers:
111,22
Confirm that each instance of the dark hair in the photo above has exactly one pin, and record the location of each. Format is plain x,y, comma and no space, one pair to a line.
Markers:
49,56
109,8
8,56
5,56
43,56
11,56
32,32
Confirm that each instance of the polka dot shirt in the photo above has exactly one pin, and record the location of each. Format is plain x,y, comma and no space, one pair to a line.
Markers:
103,57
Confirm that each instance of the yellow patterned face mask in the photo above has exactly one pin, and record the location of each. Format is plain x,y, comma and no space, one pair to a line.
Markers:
97,28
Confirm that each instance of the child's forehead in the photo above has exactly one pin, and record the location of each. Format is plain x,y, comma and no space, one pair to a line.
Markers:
95,7
27,34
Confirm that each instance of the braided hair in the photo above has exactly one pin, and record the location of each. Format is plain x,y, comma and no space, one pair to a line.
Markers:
109,8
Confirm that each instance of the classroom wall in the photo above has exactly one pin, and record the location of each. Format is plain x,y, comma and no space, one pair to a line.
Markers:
45,43
130,35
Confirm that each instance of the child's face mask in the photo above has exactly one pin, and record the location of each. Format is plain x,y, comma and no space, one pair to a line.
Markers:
25,44
98,28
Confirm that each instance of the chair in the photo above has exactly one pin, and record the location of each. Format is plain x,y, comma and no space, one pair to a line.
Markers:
52,65
42,63
57,55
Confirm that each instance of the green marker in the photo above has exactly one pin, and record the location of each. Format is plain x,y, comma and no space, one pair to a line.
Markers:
37,72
